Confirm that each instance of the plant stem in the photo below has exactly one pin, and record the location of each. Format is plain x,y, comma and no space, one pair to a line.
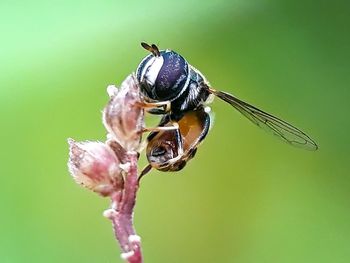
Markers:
121,213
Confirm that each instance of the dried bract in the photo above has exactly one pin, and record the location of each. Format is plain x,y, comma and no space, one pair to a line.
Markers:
95,166
123,116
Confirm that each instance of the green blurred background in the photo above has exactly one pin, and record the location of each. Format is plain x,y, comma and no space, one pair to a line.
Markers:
246,197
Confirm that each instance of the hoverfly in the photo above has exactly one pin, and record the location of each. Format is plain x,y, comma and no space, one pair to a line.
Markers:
165,76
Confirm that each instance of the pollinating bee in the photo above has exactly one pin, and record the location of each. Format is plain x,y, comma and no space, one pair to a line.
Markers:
166,77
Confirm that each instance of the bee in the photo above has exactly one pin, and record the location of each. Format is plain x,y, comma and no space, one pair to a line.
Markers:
166,77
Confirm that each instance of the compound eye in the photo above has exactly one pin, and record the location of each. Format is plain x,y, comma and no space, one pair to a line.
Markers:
146,90
171,77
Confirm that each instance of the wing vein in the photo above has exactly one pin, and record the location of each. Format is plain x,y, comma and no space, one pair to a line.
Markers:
283,130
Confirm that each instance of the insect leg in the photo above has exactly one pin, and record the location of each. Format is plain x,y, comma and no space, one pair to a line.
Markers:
144,172
161,107
170,127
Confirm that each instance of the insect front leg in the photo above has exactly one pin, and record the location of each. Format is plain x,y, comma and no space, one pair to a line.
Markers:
159,108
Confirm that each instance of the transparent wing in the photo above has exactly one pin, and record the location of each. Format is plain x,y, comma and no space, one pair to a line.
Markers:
283,130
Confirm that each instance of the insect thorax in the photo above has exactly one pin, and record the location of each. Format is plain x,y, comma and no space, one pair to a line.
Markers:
194,94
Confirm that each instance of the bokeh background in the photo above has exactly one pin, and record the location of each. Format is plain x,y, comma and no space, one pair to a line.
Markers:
246,197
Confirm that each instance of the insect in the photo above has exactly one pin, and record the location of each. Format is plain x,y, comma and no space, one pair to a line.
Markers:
165,76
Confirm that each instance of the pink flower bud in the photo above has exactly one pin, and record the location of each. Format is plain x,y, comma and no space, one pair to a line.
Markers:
123,117
95,166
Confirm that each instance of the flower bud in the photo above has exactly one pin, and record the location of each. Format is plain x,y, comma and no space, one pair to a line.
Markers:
123,117
95,166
